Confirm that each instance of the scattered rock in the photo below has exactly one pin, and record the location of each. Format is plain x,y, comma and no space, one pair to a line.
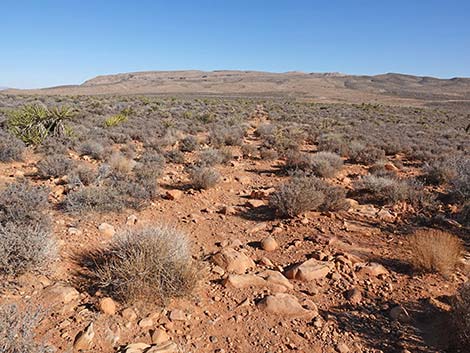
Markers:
146,322
257,228
390,166
84,339
244,180
385,215
282,304
159,336
373,269
106,229
275,277
255,203
269,244
353,295
309,270
131,220
177,315
138,347
107,306
168,347
74,231
173,194
60,293
233,261
129,314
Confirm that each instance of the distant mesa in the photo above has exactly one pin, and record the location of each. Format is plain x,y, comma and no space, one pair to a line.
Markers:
331,86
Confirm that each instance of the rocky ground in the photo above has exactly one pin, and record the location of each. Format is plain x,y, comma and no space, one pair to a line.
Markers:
322,282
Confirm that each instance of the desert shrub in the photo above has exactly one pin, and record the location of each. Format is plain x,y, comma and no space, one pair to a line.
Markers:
11,148
17,331
226,154
391,190
54,165
268,154
333,143
55,145
82,175
93,198
22,202
363,154
25,247
265,130
297,196
221,135
435,251
32,124
92,149
440,171
149,264
307,193
461,316
210,157
322,164
249,150
325,164
379,169
189,144
152,162
203,177
175,156
120,164
461,181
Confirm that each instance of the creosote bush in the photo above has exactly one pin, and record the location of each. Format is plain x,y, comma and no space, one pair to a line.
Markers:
149,264
304,193
17,331
435,251
26,242
11,148
203,177
189,144
54,165
323,164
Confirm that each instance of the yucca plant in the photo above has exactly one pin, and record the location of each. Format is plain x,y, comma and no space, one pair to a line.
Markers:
32,124
115,120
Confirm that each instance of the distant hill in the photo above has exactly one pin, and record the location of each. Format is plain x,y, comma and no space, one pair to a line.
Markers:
317,86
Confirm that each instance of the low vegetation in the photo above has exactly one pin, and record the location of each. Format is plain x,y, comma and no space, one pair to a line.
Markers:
435,251
152,264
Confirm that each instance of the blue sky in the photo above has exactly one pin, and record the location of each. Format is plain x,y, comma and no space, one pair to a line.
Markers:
53,42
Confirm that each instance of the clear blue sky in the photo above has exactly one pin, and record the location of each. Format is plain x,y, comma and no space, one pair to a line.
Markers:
52,42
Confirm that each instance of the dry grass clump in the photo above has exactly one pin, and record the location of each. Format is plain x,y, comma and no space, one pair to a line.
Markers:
17,331
365,154
461,315
189,144
203,177
148,264
325,164
303,193
435,251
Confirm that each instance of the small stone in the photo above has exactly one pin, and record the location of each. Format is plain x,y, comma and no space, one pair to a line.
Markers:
244,180
145,323
257,228
255,203
173,194
390,166
354,296
282,304
342,348
131,220
309,270
159,336
269,244
213,339
74,231
136,347
129,314
168,347
84,339
107,306
373,269
106,229
177,315
233,261
60,293
266,262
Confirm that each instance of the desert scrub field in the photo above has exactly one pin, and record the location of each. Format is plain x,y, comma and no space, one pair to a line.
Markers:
346,209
